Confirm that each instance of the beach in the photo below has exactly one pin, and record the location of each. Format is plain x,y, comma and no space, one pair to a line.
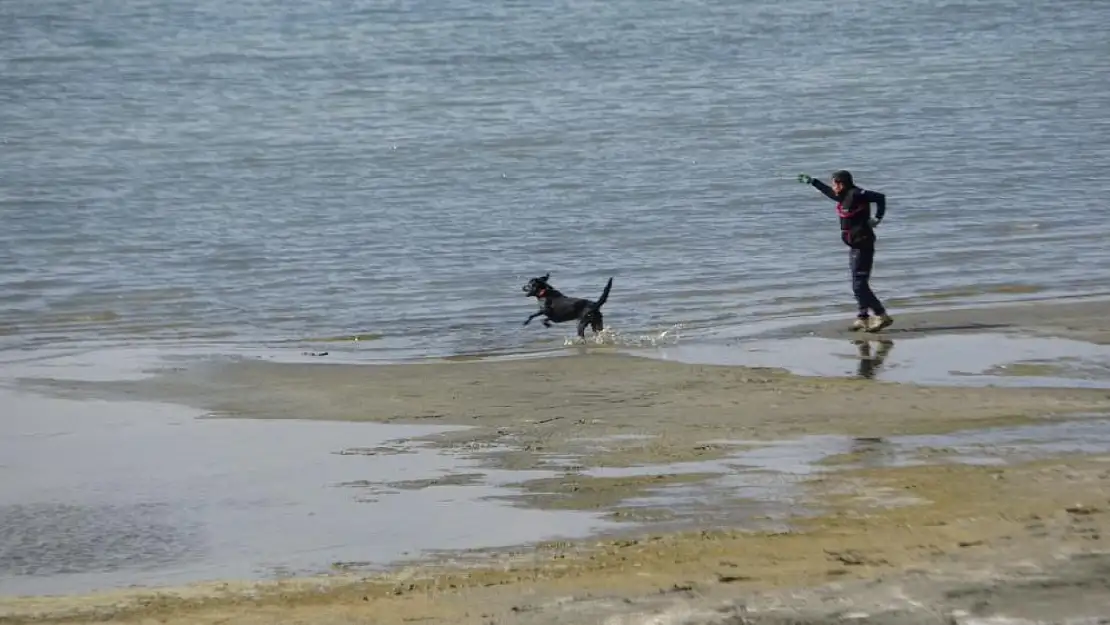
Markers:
730,492
262,345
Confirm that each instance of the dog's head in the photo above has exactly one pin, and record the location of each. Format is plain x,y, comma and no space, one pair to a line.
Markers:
537,287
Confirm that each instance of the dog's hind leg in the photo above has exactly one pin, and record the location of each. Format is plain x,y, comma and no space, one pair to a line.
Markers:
597,323
582,323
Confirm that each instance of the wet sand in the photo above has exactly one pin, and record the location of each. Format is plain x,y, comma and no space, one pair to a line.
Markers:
96,495
971,547
963,520
1071,318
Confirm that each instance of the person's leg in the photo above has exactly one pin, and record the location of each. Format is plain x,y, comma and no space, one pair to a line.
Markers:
861,277
862,320
861,285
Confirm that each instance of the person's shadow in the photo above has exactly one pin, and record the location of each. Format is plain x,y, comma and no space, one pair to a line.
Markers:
871,360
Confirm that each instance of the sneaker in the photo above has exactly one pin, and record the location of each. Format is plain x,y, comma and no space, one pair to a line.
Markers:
861,323
880,322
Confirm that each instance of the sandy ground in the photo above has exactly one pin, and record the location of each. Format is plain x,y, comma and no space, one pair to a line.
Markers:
978,537
1079,319
935,543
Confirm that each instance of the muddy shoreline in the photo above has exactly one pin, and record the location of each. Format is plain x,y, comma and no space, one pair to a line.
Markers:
977,549
1070,318
908,530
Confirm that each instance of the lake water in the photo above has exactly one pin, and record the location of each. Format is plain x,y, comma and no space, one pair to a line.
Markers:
279,173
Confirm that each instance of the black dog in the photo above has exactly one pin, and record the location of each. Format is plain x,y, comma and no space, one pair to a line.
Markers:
558,308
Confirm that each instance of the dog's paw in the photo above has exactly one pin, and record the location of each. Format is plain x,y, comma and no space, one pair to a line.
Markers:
527,321
546,323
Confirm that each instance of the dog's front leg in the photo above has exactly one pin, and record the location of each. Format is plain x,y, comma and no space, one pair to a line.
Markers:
533,316
547,323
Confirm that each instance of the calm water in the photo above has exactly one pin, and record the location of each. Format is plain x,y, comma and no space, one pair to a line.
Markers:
262,172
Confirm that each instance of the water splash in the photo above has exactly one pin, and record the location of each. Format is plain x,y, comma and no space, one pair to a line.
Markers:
612,337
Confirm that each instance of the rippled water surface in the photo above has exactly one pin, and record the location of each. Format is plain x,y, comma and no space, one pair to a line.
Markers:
266,171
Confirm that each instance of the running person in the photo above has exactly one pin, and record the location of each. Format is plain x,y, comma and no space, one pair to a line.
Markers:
857,230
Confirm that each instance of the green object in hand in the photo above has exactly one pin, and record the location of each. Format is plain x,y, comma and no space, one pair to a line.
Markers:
804,178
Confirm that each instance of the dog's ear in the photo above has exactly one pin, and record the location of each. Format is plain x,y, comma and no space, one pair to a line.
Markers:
546,276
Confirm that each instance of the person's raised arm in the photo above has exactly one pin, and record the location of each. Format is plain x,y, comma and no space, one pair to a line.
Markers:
817,184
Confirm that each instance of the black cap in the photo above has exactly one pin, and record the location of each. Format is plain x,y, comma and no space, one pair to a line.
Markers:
843,176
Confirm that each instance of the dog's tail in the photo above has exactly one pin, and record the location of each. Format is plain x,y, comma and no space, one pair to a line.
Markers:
604,295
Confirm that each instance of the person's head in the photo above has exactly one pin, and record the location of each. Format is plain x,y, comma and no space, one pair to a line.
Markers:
841,180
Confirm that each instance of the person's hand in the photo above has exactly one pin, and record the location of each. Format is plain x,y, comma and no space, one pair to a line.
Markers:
804,178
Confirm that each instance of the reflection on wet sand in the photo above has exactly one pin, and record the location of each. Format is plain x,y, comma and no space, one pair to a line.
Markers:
945,359
870,361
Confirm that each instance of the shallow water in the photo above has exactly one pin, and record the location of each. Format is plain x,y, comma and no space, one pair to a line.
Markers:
260,173
953,360
96,495
100,494
763,483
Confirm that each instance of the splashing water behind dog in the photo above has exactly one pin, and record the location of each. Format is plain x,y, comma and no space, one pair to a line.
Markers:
612,337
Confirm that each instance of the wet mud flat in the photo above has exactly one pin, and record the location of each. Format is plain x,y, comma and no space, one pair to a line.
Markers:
1018,345
702,484
979,544
97,495
179,499
1077,319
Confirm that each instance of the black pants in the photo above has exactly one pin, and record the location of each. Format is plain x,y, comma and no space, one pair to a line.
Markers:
860,260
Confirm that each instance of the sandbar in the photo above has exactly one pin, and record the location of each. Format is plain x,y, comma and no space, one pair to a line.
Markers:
927,540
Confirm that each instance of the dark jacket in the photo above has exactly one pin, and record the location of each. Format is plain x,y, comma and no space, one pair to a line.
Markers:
853,207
